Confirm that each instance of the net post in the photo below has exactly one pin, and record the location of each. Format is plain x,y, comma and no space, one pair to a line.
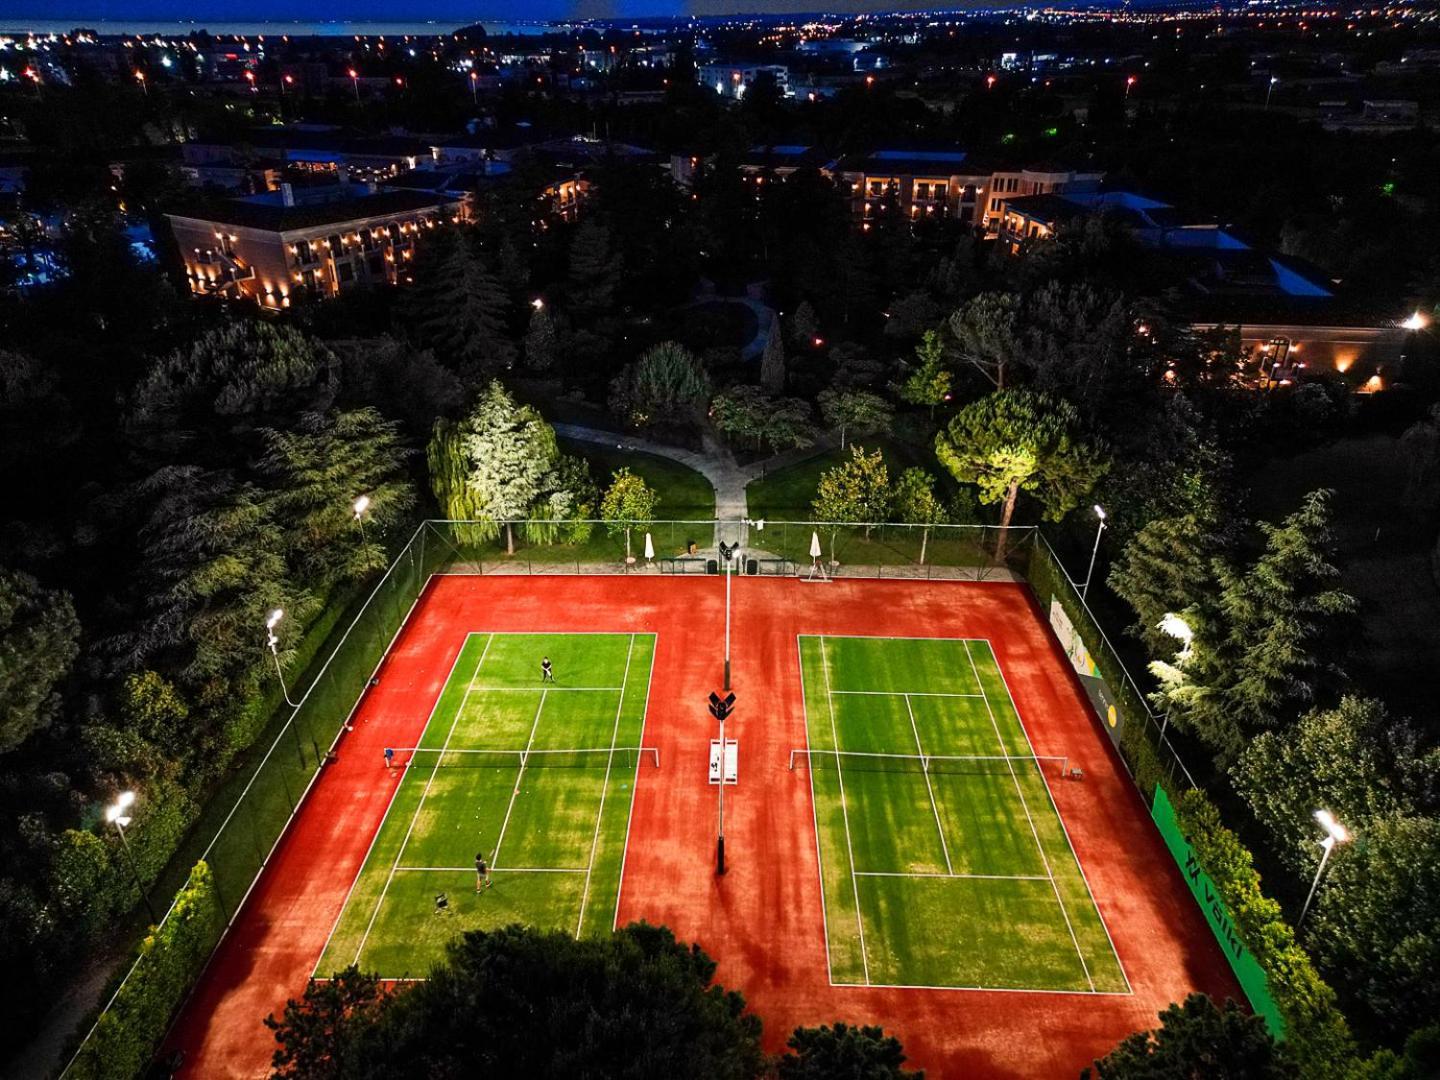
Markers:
792,761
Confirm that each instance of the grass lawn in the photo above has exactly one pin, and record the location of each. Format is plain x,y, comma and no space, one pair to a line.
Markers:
685,495
786,494
552,825
944,862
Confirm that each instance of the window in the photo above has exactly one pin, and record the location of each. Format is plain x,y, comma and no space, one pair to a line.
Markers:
346,273
376,263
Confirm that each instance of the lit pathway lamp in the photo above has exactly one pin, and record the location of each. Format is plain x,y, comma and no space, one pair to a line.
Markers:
118,814
1084,589
1335,833
360,505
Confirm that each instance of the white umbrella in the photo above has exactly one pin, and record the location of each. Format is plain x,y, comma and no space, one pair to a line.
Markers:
649,547
815,548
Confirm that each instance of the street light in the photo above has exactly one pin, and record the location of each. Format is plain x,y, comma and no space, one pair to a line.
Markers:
1415,322
729,555
474,82
355,83
271,640
1270,90
360,506
116,815
1084,589
140,78
1130,81
1335,833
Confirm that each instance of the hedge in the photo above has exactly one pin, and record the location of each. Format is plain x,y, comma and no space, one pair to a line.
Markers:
132,1027
1317,1035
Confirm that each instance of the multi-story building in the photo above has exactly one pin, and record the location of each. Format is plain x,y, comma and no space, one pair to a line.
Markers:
274,247
732,80
946,184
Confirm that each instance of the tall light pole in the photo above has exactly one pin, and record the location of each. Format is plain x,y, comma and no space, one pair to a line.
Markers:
360,505
140,78
1085,588
273,641
117,814
1270,90
355,83
474,82
728,555
1335,833
1129,85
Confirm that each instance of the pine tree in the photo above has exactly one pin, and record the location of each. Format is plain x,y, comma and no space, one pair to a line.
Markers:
804,326
510,451
988,332
772,360
1169,566
594,272
542,343
457,308
929,382
1197,1039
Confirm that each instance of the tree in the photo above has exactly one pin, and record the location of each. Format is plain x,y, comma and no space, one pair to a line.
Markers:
929,382
542,341
916,504
153,708
804,326
1017,440
748,413
456,307
987,330
39,640
1353,760
1271,641
1197,1039
1169,566
317,1032
525,1002
1376,922
204,404
857,411
36,419
318,472
403,382
667,384
594,272
913,316
772,360
1075,342
509,451
827,1053
627,504
857,490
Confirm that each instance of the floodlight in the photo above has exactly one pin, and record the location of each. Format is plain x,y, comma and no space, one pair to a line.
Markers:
362,504
275,617
1337,833
1415,322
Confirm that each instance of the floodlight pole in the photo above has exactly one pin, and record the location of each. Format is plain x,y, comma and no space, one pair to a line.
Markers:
720,833
1335,833
728,559
135,870
1094,552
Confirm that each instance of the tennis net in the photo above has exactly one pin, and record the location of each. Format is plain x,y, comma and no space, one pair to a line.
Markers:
934,764
597,757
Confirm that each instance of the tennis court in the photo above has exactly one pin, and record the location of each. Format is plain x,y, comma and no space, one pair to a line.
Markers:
536,776
944,862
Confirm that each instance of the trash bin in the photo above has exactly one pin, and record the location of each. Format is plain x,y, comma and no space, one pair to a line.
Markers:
712,566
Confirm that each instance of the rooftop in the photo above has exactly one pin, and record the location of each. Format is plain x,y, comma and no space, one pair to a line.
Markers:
331,205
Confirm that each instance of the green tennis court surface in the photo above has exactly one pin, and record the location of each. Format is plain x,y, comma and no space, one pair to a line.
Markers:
537,777
943,858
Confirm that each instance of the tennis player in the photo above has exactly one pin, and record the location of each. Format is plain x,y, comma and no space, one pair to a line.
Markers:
547,674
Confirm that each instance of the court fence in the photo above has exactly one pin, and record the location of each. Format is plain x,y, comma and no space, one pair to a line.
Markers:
252,827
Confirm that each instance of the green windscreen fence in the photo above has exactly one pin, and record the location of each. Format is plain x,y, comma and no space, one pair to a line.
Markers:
1247,969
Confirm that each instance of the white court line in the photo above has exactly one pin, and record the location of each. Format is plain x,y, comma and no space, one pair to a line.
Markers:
553,689
605,787
844,810
388,807
939,828
980,989
635,780
1056,807
943,877
423,795
495,858
494,869
814,812
1026,806
900,693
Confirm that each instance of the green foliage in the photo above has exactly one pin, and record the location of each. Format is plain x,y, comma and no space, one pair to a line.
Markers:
1376,923
39,641
525,1002
987,332
667,384
318,470
403,382
915,503
509,453
929,382
1169,566
1317,1038
542,341
1270,642
1197,1039
1353,760
628,503
203,404
594,271
1076,344
456,308
317,1030
747,413
449,467
857,490
804,327
827,1053
129,1032
1017,440
855,412
772,360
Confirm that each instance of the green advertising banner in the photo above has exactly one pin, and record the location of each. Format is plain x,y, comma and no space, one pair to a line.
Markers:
1247,969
